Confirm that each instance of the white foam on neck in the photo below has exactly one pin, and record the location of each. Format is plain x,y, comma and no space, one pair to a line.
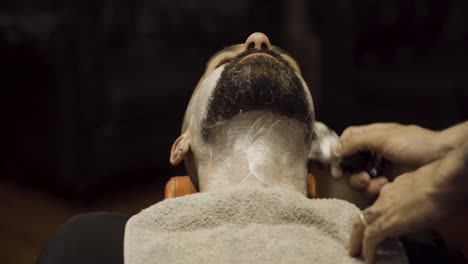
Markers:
256,149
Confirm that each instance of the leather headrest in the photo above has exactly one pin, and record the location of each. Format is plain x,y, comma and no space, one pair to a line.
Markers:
178,186
182,185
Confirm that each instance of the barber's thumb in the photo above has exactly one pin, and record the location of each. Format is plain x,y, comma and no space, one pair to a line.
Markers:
338,150
344,149
348,147
352,144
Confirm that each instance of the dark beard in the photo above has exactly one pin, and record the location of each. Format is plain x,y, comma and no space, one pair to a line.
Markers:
258,83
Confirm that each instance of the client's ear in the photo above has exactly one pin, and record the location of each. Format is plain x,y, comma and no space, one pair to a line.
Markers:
179,150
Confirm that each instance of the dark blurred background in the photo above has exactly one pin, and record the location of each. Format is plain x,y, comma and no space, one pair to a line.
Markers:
93,92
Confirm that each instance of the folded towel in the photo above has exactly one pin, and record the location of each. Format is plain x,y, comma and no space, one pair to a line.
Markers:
246,225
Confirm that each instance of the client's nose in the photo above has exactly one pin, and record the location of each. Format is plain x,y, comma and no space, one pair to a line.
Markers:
258,41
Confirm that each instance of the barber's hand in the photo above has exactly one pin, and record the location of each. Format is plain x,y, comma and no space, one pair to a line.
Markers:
410,203
404,147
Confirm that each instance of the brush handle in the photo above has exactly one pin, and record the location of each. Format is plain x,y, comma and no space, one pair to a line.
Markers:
368,161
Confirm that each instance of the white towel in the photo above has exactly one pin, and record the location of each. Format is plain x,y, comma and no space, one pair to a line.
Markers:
246,225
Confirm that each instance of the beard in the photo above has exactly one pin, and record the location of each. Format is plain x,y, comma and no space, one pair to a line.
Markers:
259,83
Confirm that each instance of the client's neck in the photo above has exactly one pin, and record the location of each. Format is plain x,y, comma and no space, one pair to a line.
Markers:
258,149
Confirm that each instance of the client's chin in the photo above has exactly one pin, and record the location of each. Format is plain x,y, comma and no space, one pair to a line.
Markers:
257,84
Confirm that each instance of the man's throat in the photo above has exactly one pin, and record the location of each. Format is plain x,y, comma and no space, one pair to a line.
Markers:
258,149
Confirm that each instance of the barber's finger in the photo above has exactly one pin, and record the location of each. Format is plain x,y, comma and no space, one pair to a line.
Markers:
336,171
357,234
360,138
355,242
359,181
373,235
376,185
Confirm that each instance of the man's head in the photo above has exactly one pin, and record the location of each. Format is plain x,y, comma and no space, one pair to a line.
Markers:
250,112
